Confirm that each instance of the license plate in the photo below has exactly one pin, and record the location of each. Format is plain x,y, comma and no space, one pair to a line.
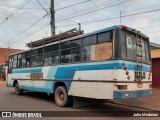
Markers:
141,75
140,85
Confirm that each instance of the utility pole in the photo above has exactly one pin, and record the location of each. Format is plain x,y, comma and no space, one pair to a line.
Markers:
52,18
120,17
79,24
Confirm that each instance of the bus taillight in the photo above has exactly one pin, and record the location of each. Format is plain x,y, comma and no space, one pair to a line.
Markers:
125,68
127,73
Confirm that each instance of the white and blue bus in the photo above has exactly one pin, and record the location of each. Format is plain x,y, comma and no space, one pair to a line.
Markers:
111,63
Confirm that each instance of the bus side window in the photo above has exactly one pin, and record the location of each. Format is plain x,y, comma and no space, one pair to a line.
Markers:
55,57
28,62
65,56
23,59
103,50
88,43
75,55
15,63
33,60
40,60
19,61
86,53
10,64
47,58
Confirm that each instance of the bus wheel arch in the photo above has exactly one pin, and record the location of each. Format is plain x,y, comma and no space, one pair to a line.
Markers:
61,95
18,91
14,83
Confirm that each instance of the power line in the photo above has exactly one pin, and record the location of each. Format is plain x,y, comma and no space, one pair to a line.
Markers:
29,35
14,12
25,29
95,6
72,5
92,11
43,8
48,5
133,14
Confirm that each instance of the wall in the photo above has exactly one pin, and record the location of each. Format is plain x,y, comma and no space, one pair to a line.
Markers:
156,72
4,53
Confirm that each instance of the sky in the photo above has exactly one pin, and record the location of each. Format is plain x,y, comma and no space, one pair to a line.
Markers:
15,32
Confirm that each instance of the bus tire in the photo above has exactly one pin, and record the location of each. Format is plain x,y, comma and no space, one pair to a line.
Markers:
18,91
61,96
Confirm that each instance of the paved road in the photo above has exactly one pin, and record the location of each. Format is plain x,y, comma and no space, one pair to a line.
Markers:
32,101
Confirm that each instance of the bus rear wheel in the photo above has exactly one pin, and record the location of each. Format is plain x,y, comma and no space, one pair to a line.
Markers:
61,97
18,91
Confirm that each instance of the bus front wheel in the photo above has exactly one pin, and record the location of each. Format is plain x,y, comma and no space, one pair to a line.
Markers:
18,91
61,96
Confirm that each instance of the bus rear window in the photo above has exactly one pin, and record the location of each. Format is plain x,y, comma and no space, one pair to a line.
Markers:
130,48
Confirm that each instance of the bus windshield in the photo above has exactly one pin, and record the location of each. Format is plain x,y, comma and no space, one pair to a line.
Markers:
134,47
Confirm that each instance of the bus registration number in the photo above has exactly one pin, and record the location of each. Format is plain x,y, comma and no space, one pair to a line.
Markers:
36,76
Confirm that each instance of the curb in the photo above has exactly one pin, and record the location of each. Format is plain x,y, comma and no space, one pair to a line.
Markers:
123,104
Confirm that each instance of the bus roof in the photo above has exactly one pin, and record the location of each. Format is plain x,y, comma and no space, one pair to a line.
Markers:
87,34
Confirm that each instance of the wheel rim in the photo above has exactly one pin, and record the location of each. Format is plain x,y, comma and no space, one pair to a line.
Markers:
60,97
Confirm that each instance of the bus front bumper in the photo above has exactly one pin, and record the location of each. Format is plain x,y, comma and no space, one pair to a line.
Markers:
132,94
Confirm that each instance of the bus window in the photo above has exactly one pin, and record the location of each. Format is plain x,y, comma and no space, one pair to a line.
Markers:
123,45
131,46
23,62
105,37
65,56
76,43
40,51
15,63
66,45
28,61
147,50
87,53
55,57
75,55
19,63
10,64
15,57
47,59
34,52
40,60
33,61
130,49
91,40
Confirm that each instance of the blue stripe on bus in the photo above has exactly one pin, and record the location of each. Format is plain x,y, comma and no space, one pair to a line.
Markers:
37,89
27,70
133,94
68,72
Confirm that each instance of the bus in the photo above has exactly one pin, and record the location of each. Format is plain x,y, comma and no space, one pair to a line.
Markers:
111,63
